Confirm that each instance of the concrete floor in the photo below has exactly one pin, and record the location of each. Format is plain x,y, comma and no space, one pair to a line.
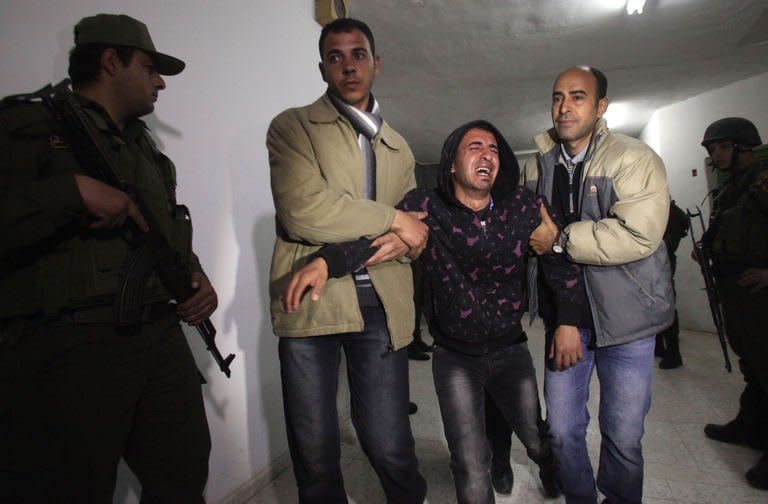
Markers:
682,465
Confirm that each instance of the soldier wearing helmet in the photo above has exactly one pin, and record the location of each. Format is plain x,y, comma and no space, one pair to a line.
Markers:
724,134
738,241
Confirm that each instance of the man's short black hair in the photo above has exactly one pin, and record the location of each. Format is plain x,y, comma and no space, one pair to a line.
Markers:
602,82
346,25
85,61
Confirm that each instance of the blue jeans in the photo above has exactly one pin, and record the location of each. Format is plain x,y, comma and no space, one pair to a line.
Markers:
462,381
378,386
625,373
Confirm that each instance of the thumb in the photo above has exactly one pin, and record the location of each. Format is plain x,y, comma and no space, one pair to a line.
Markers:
552,348
137,217
418,215
545,218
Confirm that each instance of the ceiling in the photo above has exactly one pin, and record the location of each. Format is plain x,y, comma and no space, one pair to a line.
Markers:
445,62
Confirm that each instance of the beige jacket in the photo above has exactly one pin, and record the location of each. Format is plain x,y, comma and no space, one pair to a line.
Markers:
316,173
624,203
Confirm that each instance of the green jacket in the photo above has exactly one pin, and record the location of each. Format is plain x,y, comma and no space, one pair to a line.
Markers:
317,181
49,261
738,233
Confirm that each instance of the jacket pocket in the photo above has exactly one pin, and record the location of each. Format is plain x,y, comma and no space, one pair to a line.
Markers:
644,289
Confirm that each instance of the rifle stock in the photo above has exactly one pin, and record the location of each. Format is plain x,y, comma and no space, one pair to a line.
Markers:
706,265
152,250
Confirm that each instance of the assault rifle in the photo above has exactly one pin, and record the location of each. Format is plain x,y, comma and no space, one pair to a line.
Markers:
151,250
706,264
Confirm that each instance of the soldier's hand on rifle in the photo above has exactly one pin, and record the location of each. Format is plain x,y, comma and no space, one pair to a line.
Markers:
109,206
202,303
756,278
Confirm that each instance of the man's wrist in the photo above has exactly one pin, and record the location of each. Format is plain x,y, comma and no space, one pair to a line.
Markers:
560,243
397,221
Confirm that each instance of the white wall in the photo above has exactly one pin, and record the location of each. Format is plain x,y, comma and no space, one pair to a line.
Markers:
675,132
246,61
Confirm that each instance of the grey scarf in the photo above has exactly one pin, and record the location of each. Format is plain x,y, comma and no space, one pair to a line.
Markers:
367,125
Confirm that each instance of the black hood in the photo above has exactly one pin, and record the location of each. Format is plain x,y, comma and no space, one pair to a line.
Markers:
509,172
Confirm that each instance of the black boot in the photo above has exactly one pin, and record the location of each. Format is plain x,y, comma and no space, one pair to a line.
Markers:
502,478
548,477
733,432
671,361
757,476
414,353
420,345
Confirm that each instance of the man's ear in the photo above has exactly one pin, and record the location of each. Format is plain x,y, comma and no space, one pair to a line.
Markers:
602,106
376,65
110,62
322,71
453,167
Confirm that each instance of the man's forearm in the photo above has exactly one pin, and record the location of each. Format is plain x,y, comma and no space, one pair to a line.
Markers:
345,258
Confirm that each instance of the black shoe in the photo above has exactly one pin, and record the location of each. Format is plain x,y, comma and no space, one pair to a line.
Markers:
415,354
732,432
502,479
671,362
757,476
419,345
412,408
548,481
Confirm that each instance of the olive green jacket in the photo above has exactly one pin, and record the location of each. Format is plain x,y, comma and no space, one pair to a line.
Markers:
49,260
738,232
316,172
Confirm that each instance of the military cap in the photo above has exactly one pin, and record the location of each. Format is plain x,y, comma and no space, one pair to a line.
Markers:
122,30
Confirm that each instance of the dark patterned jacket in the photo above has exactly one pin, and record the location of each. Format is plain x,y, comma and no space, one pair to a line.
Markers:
475,264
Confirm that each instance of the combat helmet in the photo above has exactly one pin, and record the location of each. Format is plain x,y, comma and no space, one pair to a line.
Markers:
737,129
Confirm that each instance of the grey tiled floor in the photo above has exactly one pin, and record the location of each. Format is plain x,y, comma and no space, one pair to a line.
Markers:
682,466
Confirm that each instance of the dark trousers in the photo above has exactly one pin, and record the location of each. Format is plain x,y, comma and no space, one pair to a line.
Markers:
498,433
378,386
669,339
76,398
746,320
462,381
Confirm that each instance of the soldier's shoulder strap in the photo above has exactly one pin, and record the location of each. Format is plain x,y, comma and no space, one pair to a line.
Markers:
23,114
35,96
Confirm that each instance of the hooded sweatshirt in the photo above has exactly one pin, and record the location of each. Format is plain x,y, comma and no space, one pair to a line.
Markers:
475,261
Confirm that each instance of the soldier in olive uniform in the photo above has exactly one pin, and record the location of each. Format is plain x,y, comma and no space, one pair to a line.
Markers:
738,241
77,393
